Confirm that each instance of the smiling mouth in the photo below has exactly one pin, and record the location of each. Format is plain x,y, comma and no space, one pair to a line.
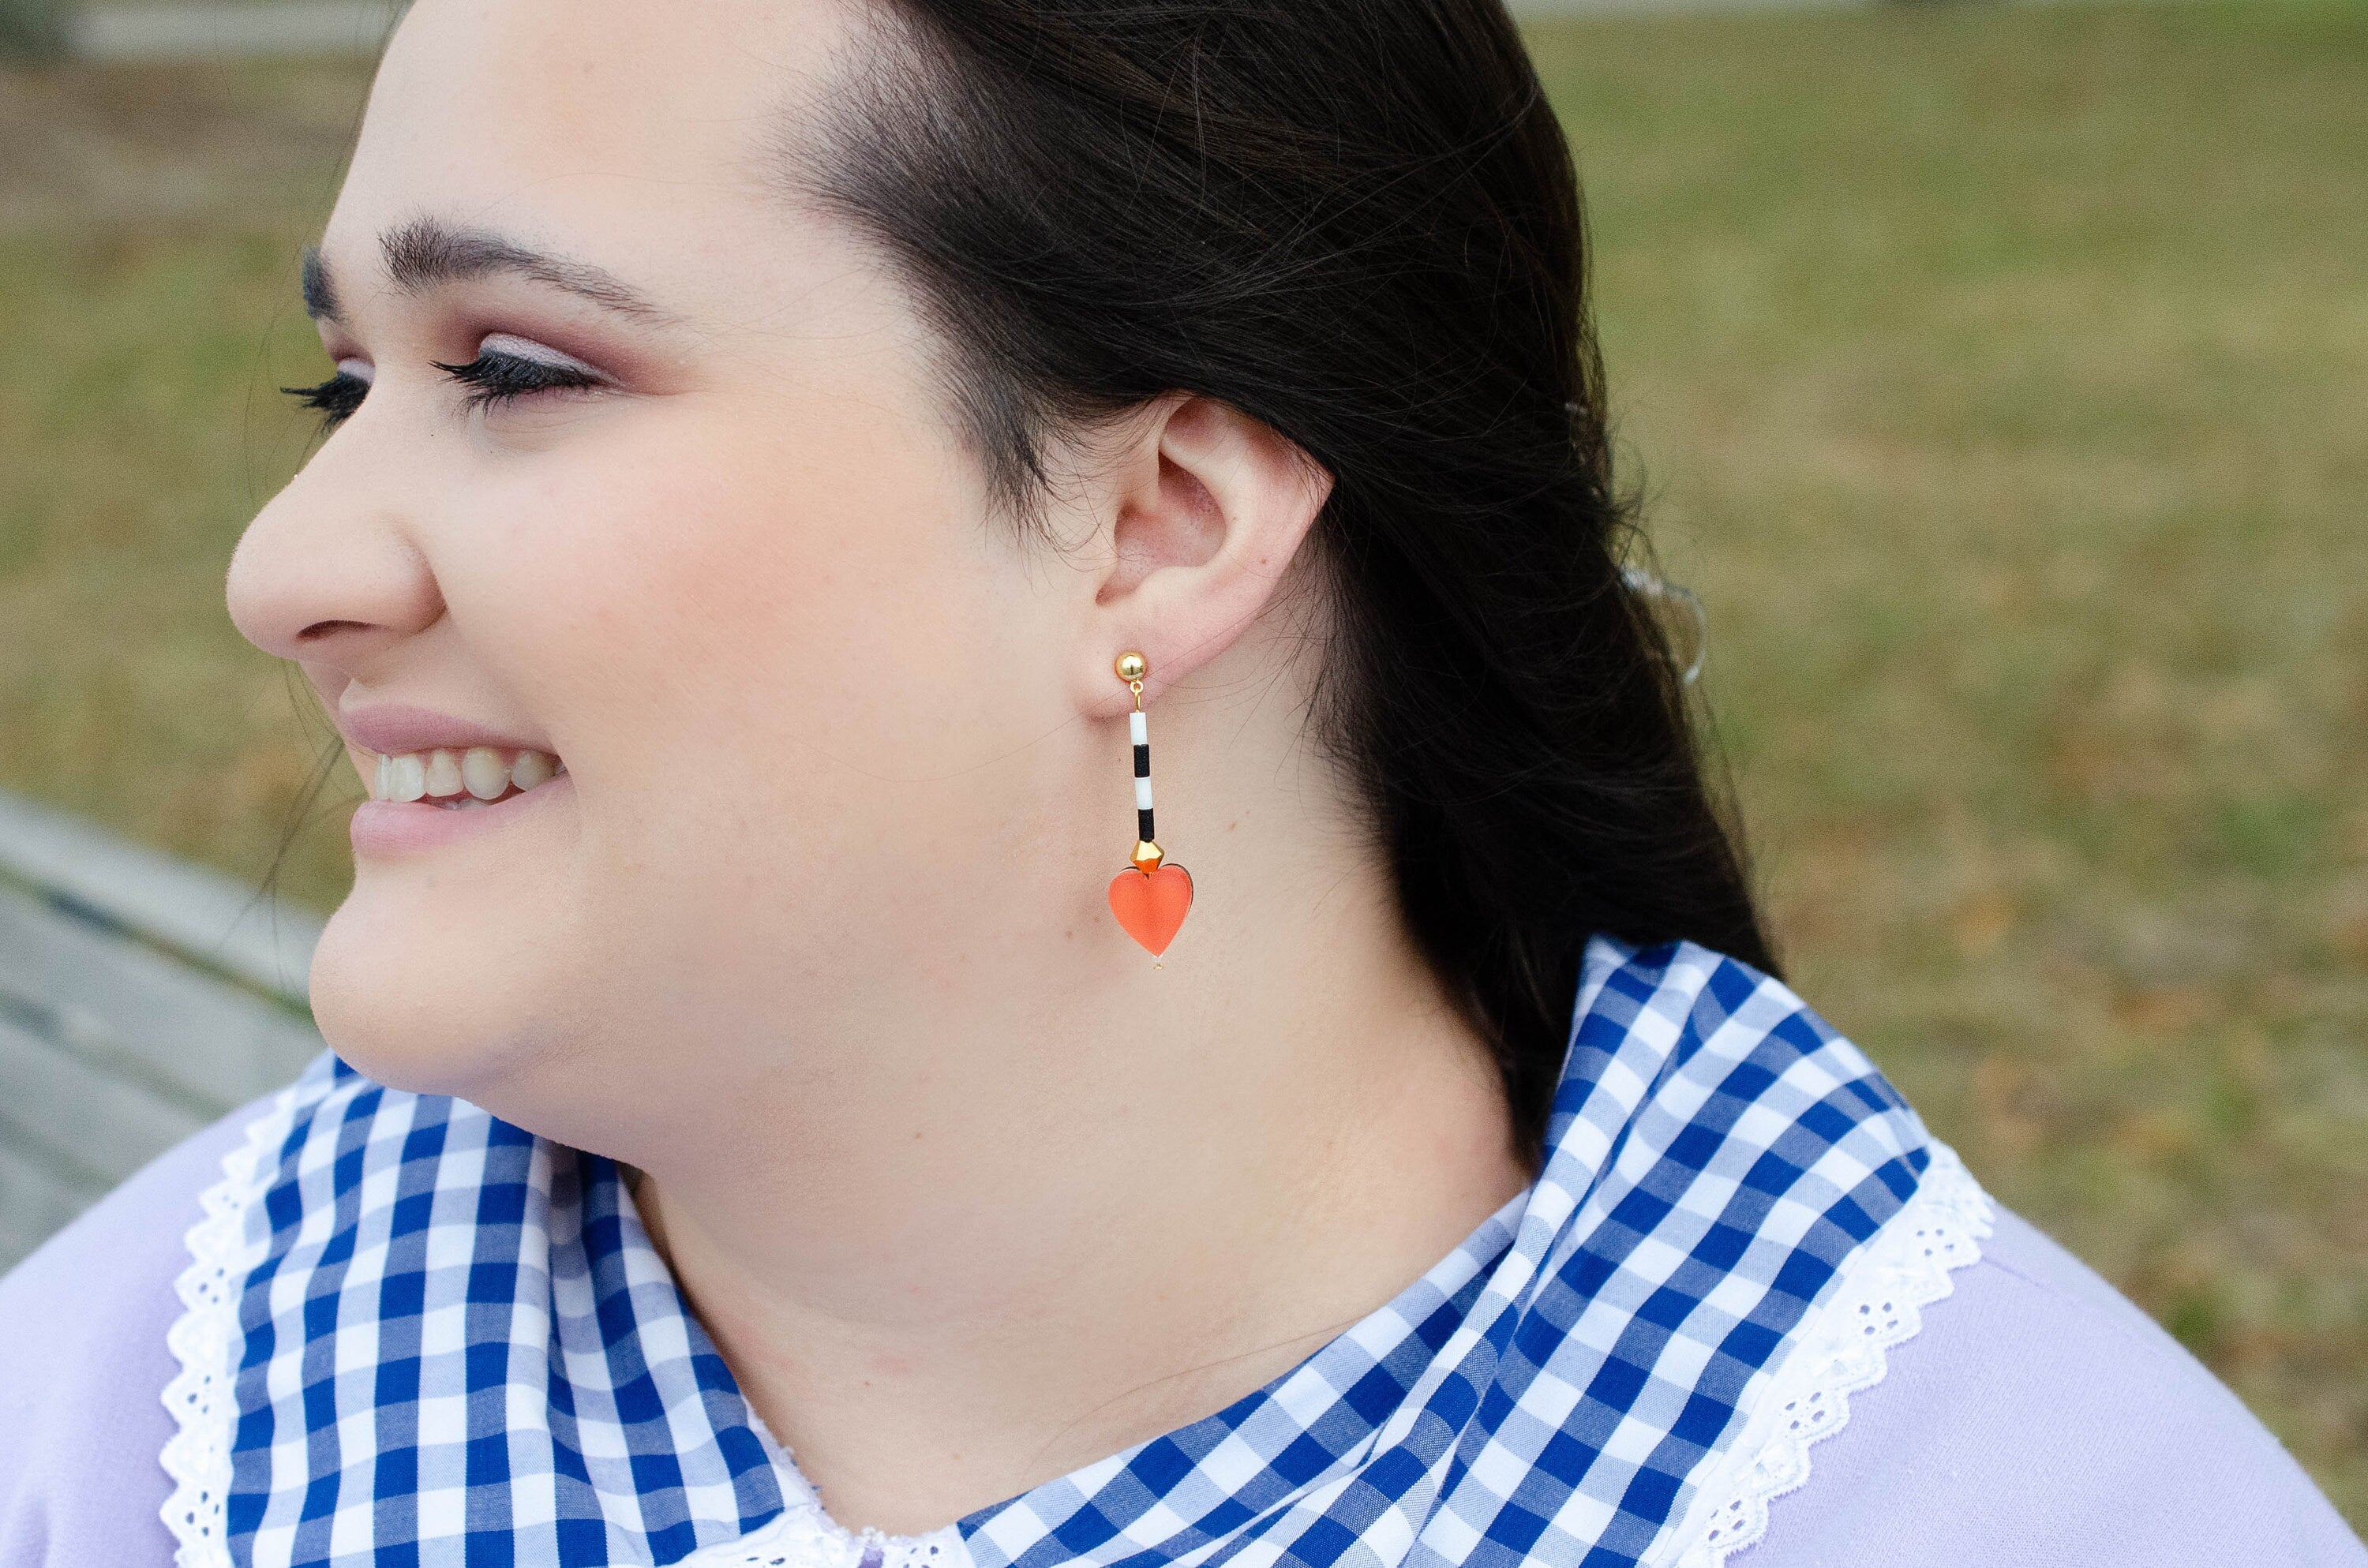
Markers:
463,781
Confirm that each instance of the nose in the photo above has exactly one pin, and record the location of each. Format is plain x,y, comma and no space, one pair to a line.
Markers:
330,572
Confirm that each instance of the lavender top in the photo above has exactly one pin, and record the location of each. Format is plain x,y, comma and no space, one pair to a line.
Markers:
2037,1418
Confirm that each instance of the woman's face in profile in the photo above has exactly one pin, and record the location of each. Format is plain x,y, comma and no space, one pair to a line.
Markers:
646,469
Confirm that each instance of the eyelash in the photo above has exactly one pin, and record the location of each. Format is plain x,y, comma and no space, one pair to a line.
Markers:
335,400
492,379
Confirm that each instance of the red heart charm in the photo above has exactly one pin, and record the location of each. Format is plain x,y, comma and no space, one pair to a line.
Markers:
1152,907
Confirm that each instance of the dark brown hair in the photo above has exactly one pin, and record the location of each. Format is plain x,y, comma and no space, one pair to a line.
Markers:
1358,221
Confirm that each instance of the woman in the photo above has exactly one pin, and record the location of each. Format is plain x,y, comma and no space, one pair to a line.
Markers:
791,1104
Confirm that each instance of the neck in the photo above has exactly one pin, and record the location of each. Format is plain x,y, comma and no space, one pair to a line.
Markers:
1063,1229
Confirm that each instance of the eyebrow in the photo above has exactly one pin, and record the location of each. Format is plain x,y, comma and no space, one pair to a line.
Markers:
320,295
425,252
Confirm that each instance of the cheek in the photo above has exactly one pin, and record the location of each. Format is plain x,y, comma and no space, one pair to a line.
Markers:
797,676
708,583
781,656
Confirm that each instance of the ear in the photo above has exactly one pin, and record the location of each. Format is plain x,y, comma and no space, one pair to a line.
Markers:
1207,508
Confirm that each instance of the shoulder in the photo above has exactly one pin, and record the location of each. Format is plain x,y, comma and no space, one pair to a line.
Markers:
83,1365
2038,1417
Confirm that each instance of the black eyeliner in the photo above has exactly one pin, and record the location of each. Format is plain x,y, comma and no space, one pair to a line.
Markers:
495,378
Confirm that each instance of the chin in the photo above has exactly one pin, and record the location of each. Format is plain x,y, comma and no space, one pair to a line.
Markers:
431,1006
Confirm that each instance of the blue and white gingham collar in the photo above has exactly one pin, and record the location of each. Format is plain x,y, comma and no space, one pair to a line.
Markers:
419,1335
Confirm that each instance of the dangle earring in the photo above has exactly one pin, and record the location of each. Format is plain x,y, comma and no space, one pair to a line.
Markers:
1154,895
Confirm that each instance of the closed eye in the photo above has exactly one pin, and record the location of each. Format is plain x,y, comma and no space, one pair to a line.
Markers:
336,399
498,376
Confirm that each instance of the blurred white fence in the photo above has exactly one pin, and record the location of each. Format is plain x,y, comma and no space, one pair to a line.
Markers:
158,31
140,999
207,31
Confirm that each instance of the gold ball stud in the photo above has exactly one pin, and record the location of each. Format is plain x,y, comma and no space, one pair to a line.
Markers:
1131,668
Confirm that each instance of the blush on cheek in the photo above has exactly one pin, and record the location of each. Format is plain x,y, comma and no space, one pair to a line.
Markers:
713,571
763,656
620,579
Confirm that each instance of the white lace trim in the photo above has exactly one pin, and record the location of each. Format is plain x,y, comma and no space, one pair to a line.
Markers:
202,1396
803,1535
1839,1352
204,1339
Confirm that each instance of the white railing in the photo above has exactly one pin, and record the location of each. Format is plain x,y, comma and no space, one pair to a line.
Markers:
159,31
140,999
207,31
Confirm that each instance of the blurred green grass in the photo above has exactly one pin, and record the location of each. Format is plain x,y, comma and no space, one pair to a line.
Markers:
2001,382
1997,377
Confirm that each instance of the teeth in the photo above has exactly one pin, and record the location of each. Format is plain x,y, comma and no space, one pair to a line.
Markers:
483,772
476,776
407,779
443,773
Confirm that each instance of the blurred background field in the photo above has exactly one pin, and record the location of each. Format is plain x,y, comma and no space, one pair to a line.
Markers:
2000,378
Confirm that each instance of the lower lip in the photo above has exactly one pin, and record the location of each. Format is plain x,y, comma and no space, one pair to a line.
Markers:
410,827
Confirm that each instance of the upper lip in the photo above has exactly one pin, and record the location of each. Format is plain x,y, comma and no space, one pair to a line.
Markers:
392,728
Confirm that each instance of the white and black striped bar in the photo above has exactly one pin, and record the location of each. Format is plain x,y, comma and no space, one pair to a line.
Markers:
1138,729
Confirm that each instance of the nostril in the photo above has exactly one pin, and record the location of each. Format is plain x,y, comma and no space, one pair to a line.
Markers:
321,629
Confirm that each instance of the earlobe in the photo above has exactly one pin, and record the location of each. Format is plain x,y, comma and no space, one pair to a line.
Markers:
1210,510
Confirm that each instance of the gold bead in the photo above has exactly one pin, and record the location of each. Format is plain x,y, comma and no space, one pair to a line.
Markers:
1131,668
1147,856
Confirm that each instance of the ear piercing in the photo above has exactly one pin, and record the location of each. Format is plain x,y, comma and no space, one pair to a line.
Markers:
1152,895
